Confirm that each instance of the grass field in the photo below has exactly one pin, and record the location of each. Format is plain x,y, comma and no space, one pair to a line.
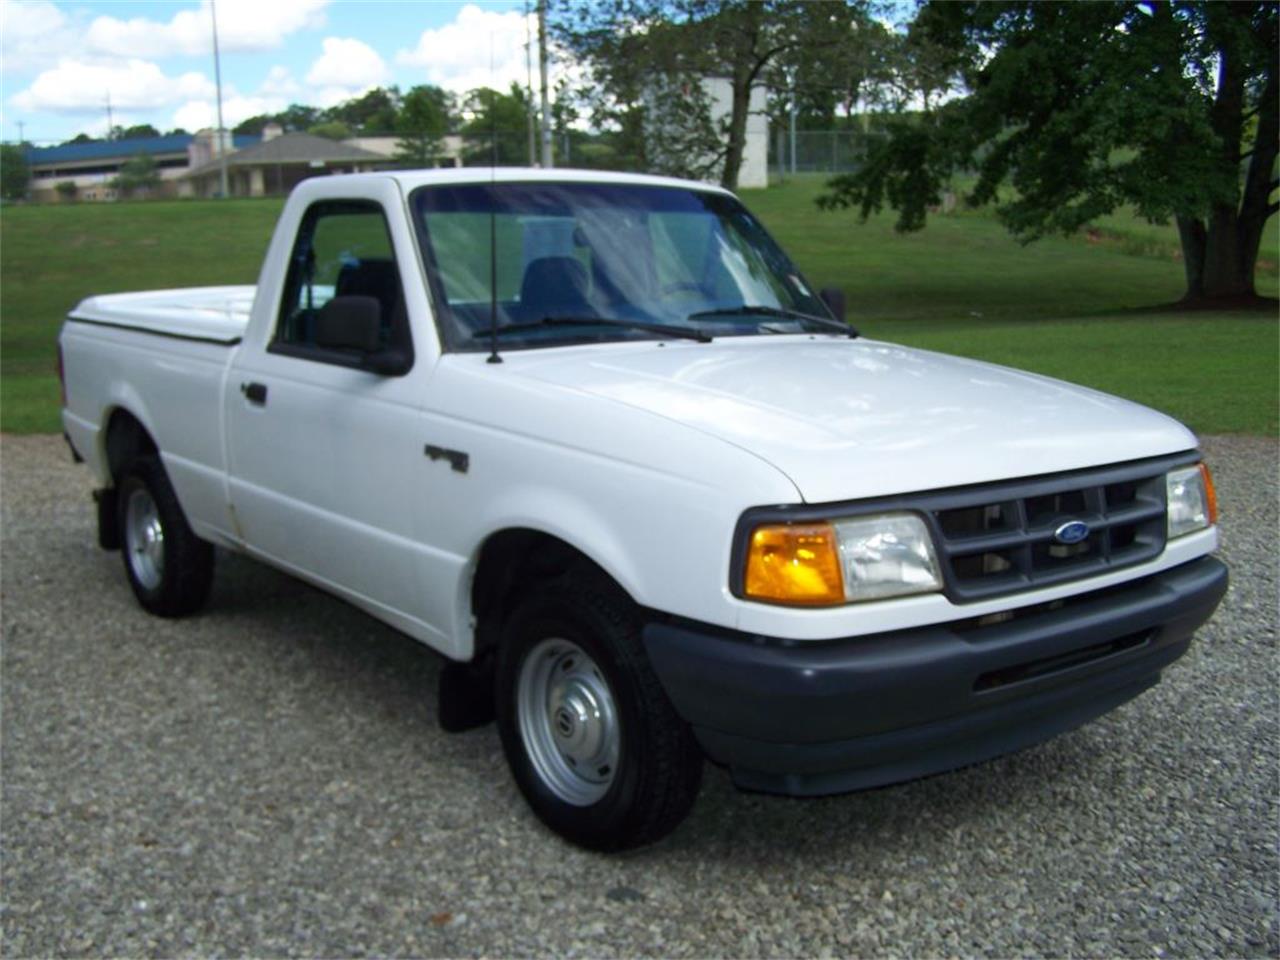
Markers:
1076,308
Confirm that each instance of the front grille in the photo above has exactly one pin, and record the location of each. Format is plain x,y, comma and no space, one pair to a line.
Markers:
1001,539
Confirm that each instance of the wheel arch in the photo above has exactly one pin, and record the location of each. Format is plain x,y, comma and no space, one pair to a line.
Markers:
508,560
124,438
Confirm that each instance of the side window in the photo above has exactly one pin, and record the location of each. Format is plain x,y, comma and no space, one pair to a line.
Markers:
343,251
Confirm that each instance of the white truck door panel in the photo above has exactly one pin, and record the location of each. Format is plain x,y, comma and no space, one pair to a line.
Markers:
326,462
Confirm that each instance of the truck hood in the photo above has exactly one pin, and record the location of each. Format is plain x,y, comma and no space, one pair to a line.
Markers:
846,419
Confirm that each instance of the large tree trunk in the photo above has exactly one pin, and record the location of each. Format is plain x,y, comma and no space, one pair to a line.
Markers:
737,129
1226,274
1220,256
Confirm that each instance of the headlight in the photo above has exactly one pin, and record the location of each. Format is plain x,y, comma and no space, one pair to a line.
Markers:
1193,503
887,556
823,564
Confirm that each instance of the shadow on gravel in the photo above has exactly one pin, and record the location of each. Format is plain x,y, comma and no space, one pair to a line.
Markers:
359,666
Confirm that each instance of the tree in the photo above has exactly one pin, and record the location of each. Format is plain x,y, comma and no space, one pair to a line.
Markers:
832,80
1083,108
422,123
331,130
15,174
253,126
136,174
369,113
640,51
138,131
296,116
497,124
67,190
79,138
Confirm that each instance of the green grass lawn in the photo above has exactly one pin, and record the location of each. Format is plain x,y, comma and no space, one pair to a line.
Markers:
1075,308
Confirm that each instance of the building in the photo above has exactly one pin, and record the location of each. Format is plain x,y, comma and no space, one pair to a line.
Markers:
669,146
450,144
274,164
90,168
754,171
190,165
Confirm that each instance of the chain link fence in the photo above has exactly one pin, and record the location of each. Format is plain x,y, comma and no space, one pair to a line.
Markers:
819,151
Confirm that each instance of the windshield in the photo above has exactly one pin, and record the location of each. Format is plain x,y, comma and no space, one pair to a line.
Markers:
577,262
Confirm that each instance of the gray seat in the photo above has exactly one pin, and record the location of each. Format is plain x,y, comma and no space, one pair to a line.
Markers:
555,287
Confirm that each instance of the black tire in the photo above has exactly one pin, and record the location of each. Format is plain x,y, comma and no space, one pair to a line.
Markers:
658,769
170,573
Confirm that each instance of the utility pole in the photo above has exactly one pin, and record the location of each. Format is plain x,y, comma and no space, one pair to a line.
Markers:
217,74
542,67
111,129
528,87
21,137
793,123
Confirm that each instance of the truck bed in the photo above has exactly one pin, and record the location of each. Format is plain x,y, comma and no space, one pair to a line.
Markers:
214,314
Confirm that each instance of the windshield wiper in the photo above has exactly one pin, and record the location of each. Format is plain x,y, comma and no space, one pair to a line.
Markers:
835,326
686,333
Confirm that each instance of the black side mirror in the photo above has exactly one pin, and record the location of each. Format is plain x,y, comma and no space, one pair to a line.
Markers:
833,297
391,362
350,323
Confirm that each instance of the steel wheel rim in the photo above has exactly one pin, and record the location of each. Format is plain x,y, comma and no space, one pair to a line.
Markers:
568,721
144,539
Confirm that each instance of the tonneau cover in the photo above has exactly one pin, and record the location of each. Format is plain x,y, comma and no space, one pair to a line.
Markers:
216,314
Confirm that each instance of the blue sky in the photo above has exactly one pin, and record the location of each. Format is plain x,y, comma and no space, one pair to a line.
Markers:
59,61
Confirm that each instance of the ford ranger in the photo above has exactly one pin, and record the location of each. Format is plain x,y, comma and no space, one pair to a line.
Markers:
596,440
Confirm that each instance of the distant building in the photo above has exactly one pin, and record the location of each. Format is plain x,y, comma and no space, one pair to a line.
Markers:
189,165
91,167
754,171
718,91
450,155
275,164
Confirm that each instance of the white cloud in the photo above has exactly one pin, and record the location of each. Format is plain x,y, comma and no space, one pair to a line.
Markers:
279,82
76,86
345,69
198,114
33,35
243,25
457,55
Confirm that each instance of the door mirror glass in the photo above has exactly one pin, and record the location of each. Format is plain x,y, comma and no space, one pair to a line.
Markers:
350,323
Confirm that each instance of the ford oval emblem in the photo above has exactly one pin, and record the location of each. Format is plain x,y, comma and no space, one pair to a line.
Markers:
1073,531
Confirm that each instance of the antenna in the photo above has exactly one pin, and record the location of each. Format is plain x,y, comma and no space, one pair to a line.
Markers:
493,226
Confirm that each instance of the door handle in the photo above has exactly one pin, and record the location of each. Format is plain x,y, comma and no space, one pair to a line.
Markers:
255,393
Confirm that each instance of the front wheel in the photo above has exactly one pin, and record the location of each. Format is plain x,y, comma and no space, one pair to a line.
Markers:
592,740
168,566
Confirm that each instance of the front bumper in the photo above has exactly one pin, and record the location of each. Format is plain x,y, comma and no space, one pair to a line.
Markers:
813,718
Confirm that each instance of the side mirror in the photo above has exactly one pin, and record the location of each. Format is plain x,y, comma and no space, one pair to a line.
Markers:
833,297
391,362
350,323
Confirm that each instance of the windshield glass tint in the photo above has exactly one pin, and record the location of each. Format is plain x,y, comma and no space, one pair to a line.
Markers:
620,254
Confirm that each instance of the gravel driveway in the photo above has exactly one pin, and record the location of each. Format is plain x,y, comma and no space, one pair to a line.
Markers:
268,779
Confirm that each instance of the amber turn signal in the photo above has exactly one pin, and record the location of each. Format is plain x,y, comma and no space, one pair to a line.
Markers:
1210,494
794,563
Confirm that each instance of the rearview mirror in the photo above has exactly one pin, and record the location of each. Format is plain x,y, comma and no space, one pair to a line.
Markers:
350,323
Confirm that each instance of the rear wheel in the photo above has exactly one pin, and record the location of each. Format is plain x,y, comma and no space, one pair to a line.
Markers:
168,566
593,742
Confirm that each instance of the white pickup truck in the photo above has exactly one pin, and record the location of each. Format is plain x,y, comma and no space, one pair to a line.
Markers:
594,439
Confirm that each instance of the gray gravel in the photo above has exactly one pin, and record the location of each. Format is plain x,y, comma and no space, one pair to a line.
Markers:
268,779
